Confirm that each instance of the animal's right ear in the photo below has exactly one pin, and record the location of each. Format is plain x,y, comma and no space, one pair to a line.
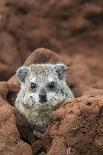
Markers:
21,73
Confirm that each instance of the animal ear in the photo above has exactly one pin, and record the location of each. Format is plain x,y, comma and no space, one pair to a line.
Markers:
21,73
60,70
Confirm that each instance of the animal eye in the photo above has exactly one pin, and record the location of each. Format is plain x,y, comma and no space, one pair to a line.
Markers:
33,85
51,85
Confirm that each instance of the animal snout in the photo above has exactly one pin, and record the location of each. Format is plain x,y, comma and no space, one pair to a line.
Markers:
42,96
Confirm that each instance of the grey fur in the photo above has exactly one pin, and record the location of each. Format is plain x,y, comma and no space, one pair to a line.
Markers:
27,101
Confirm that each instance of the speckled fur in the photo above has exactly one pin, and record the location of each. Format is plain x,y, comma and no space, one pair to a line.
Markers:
27,102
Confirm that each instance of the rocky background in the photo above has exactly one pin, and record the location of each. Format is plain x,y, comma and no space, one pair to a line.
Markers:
73,29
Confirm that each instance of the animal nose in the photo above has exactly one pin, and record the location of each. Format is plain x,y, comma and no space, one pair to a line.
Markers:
42,95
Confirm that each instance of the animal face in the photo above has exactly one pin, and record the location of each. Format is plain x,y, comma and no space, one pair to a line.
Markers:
43,84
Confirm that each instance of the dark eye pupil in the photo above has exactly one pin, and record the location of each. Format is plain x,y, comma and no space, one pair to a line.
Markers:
33,85
51,85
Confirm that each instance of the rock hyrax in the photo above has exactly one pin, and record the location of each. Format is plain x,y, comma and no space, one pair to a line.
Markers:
43,89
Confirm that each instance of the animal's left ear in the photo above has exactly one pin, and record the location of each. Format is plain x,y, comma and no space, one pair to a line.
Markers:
61,70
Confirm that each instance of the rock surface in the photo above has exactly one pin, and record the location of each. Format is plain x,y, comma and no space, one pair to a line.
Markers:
10,142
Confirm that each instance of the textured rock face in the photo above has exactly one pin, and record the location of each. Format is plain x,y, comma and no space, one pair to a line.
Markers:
77,127
10,142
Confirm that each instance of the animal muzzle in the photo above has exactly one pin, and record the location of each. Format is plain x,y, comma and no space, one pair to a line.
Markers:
42,96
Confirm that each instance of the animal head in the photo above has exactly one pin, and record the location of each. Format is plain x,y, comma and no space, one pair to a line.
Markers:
43,83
